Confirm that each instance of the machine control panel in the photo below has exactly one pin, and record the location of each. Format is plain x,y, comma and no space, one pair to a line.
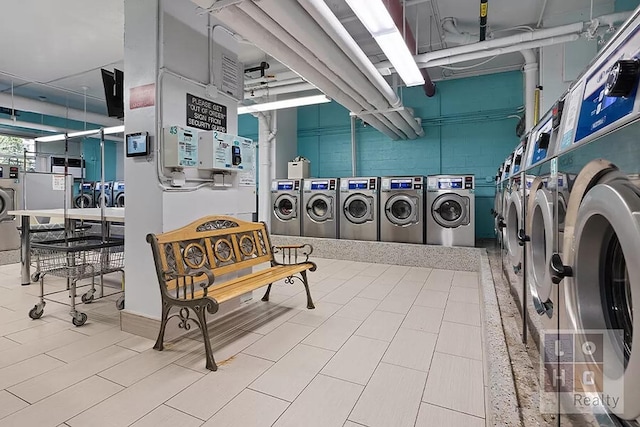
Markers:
320,184
288,185
412,183
451,183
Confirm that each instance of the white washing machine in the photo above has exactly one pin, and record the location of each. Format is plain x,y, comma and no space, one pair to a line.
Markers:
450,213
86,197
117,194
320,207
286,202
10,199
360,208
514,208
402,209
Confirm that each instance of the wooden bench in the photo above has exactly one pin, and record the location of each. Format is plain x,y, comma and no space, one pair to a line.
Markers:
188,259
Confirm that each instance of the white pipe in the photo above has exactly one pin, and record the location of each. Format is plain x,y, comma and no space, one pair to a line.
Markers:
530,83
35,106
354,159
299,25
265,135
54,129
323,15
278,75
279,90
276,83
263,39
499,51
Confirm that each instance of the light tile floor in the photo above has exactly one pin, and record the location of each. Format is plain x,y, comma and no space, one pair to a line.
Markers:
386,346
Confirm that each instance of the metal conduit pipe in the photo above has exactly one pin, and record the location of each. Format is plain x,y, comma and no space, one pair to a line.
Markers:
276,83
256,93
277,76
316,45
323,15
241,23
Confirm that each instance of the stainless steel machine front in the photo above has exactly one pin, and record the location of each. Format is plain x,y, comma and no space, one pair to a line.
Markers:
360,210
450,210
10,199
402,202
286,202
320,201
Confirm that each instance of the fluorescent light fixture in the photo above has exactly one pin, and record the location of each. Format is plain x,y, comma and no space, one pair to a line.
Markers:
376,18
285,103
61,136
50,138
114,129
82,133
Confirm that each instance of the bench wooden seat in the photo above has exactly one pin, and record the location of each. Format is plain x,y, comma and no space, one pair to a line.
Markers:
189,259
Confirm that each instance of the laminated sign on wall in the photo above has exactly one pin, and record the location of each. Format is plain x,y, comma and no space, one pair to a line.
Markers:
221,151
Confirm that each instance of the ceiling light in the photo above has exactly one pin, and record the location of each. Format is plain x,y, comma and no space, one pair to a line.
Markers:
285,103
62,136
376,18
114,129
51,138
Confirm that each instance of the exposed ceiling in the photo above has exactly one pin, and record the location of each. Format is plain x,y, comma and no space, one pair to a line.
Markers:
56,54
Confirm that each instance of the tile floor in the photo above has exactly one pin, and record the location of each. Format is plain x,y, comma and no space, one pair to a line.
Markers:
385,346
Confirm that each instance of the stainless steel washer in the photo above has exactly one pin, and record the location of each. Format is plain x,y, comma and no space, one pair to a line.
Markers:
10,199
402,201
359,198
320,201
450,214
286,200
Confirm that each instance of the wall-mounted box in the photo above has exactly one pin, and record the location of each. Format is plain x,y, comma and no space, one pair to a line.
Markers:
180,147
221,151
298,170
76,167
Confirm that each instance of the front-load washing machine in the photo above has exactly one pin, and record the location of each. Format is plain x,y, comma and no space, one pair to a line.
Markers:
450,213
117,194
10,199
402,209
86,197
286,200
320,207
360,208
514,208
102,197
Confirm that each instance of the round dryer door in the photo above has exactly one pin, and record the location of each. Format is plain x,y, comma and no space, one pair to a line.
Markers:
358,208
285,207
541,247
450,210
6,203
402,209
513,221
320,208
605,287
83,201
120,200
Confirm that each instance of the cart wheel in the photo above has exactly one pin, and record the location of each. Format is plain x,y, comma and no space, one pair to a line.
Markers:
35,312
120,303
79,319
35,277
87,298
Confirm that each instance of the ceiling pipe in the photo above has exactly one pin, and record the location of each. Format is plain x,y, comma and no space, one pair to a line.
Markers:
241,23
452,34
279,90
300,26
323,15
396,10
36,106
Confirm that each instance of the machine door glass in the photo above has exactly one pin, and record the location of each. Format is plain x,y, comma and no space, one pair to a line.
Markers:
120,200
83,201
285,207
402,209
358,208
6,203
541,246
450,210
320,208
606,279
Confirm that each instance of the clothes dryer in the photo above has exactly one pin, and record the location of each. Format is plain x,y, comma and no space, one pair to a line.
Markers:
10,199
117,194
402,205
450,214
286,202
514,208
102,197
321,204
86,197
360,209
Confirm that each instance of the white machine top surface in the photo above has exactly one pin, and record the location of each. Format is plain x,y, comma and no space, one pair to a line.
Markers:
89,214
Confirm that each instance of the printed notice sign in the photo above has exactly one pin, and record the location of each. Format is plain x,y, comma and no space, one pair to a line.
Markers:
205,114
57,182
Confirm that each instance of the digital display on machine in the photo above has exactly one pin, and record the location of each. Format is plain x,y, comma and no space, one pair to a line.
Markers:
358,185
319,185
401,183
138,144
285,185
450,184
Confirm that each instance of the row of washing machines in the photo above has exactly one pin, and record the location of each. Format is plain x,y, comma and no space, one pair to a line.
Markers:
438,210
92,195
567,211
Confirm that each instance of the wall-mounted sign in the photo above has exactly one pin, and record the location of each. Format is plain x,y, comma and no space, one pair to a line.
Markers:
205,114
142,96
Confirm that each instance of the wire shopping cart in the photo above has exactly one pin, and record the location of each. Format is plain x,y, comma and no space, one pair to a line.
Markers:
76,258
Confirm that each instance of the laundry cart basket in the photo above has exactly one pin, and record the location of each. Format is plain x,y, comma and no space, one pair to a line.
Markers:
75,258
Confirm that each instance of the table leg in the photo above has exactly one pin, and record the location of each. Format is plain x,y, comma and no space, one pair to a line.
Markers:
25,251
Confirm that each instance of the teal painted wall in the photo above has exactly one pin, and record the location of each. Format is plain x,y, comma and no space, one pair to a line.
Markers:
467,131
624,5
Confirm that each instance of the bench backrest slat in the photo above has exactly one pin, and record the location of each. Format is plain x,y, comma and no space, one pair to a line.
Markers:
221,244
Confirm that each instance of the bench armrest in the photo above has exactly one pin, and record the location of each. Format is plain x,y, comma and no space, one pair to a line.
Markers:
291,254
193,274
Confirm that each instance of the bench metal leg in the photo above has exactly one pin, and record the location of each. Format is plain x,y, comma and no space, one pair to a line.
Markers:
211,363
266,294
159,345
306,288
